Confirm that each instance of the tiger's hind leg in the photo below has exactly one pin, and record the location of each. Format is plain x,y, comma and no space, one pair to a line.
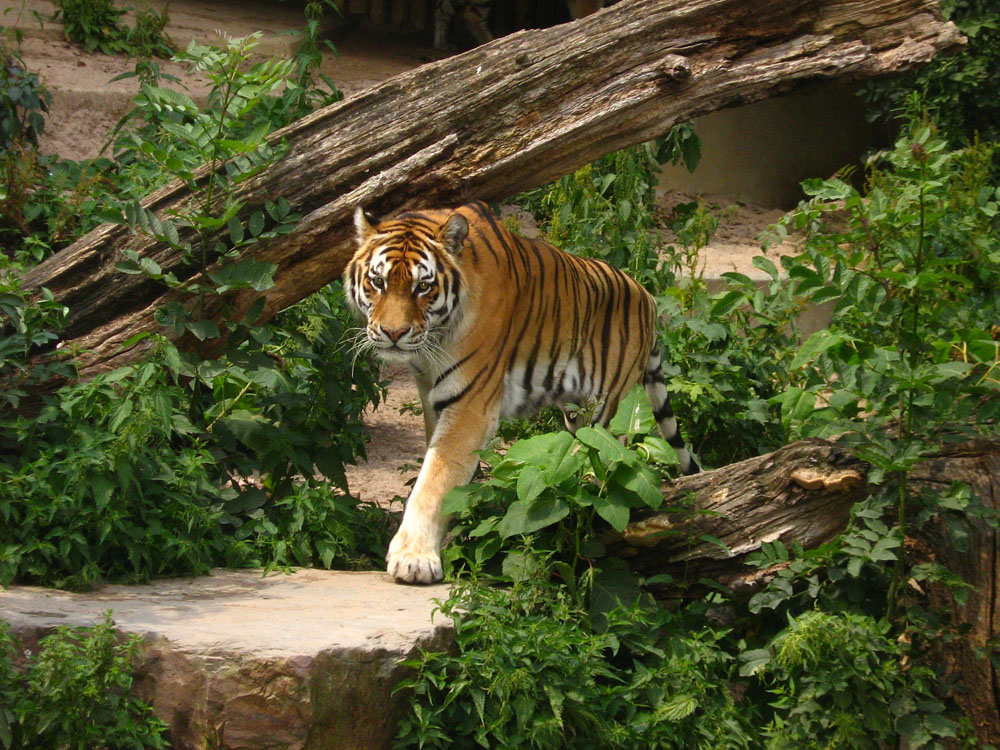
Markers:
656,389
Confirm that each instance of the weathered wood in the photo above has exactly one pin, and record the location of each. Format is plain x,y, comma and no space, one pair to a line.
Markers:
801,493
970,658
510,115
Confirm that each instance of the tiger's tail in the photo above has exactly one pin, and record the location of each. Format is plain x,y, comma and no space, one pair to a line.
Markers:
656,388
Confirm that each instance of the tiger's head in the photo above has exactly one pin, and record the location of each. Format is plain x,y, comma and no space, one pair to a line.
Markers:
406,281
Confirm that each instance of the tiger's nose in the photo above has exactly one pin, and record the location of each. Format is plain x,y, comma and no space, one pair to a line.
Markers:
395,334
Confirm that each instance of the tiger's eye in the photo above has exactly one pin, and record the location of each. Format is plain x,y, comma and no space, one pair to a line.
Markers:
423,287
378,282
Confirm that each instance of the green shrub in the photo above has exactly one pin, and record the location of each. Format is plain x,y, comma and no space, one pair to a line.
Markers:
177,464
74,694
113,481
97,26
556,487
840,681
960,91
530,671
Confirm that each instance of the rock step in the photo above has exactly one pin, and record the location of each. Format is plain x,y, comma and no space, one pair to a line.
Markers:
240,661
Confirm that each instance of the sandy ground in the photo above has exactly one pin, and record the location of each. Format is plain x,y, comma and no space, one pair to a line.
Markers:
87,104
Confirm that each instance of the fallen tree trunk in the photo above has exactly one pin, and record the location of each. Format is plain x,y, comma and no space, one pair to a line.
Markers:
803,493
510,115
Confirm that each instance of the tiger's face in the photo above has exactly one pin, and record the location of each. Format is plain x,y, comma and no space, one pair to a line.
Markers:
406,281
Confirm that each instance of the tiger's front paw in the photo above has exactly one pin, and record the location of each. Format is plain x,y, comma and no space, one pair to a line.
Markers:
411,560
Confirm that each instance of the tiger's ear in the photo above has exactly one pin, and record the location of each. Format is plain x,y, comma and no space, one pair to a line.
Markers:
453,234
362,225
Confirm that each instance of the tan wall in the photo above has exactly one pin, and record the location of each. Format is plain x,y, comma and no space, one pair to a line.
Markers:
759,153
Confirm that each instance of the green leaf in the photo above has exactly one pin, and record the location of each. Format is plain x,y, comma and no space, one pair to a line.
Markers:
815,345
754,661
203,329
766,265
634,415
236,232
727,303
256,223
659,450
525,518
614,513
530,483
797,404
244,274
642,481
609,450
458,500
678,707
565,458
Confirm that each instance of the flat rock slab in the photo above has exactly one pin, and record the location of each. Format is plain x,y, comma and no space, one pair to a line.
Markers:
237,660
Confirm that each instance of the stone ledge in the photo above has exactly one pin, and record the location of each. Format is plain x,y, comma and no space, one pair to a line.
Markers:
235,660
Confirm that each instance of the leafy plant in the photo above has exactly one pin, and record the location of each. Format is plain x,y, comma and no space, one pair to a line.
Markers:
74,693
280,405
176,464
958,91
728,351
839,680
24,102
28,325
606,210
97,26
555,486
113,481
529,670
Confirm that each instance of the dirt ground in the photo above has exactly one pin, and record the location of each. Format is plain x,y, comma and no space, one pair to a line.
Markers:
87,104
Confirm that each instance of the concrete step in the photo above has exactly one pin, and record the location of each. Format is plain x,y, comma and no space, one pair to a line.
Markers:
239,661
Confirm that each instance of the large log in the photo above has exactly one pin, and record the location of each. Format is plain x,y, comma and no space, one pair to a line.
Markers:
513,114
711,521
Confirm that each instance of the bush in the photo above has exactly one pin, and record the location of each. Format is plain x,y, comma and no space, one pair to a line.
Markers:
97,26
959,91
530,671
74,694
839,681
177,464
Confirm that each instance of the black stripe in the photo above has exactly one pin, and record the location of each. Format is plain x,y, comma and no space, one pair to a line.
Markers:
454,367
444,403
665,411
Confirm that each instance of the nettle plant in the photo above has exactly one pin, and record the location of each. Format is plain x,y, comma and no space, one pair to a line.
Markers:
911,357
276,402
97,26
176,463
530,670
75,692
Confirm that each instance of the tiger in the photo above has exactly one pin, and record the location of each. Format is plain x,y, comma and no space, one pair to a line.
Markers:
476,12
493,326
